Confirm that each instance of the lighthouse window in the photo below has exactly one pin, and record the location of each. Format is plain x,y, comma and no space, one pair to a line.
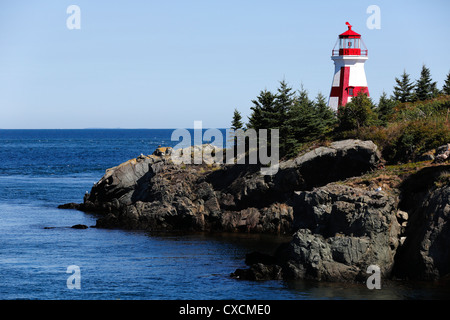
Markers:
350,92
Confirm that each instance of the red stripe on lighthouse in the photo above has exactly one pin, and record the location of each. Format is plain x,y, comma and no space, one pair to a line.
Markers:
341,91
343,85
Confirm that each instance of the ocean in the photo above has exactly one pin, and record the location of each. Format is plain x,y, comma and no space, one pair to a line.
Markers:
41,169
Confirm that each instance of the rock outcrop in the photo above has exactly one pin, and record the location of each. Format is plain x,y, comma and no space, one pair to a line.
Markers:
340,231
425,253
153,193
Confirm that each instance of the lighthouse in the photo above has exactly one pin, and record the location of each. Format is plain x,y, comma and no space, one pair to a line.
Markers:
349,75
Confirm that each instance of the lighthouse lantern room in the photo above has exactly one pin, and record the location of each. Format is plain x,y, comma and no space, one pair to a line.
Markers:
349,75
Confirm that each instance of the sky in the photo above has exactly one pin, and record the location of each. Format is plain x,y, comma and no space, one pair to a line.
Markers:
166,64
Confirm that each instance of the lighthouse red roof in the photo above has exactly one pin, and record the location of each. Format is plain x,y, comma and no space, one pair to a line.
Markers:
349,33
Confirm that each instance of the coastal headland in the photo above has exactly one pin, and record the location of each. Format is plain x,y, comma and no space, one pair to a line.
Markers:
343,208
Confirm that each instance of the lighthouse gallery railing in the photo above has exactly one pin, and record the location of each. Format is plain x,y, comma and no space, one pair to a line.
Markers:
364,53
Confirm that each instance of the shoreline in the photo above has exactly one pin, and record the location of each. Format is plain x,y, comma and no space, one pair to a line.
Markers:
366,228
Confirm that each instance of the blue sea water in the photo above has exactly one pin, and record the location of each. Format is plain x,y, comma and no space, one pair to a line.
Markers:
40,169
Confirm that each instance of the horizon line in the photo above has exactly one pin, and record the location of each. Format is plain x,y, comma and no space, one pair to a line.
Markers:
106,128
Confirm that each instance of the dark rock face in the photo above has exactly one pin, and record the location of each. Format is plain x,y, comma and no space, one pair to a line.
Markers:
79,226
340,160
259,271
340,232
151,192
425,254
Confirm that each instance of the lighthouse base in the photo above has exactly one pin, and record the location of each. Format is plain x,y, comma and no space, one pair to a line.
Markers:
349,79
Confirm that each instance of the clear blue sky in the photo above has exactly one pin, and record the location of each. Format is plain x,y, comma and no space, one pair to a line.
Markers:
164,64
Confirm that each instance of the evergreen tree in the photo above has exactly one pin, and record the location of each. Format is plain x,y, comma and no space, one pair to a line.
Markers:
403,92
263,114
425,88
357,113
270,111
236,123
385,108
235,138
303,124
325,113
262,111
284,101
446,87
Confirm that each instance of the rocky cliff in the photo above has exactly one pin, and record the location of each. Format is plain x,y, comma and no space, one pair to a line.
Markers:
338,230
153,193
425,253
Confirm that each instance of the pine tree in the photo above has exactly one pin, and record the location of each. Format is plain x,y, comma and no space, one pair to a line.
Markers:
446,87
236,123
403,92
385,108
303,124
262,111
270,111
284,100
325,113
425,88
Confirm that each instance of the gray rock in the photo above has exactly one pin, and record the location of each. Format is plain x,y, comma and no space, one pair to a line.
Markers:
338,231
151,192
425,253
342,230
338,161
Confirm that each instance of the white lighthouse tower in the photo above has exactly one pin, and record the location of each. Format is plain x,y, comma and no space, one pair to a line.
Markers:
349,75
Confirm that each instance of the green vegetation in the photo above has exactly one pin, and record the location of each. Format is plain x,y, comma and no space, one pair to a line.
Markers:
446,86
358,113
236,123
412,129
414,120
403,91
425,87
298,119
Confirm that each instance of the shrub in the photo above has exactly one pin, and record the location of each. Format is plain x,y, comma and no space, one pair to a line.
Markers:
415,138
422,109
358,113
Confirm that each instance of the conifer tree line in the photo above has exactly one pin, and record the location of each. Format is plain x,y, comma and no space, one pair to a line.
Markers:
300,119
